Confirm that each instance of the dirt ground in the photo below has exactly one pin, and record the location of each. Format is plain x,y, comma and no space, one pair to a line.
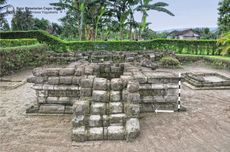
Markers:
205,127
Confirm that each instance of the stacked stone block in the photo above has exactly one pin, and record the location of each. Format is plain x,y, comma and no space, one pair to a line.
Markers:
103,117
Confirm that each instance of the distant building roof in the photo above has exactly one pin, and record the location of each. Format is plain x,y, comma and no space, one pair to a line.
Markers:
185,33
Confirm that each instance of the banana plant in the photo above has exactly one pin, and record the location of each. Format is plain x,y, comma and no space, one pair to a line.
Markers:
146,6
224,43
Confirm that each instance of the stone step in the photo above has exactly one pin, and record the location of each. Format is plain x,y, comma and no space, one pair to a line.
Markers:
129,132
99,121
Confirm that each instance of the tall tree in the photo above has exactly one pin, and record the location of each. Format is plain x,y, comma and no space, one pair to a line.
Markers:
5,9
224,16
22,20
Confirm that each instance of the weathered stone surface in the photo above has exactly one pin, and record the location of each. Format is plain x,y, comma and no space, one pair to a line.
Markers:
171,98
86,92
115,107
78,121
79,134
95,121
132,129
81,107
132,110
124,95
100,96
116,133
115,96
116,84
52,108
67,80
98,108
66,71
117,118
79,71
95,133
86,83
133,97
53,80
100,84
76,80
46,72
133,87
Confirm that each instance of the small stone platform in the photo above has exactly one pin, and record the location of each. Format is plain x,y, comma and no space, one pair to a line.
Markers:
206,81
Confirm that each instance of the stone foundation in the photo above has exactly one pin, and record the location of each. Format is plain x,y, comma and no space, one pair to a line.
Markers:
105,98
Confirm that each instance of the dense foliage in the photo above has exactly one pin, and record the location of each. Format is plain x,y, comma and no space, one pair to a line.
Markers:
224,41
90,20
169,62
15,58
16,42
180,46
224,16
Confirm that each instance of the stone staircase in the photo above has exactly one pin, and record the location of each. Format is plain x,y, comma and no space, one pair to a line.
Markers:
105,115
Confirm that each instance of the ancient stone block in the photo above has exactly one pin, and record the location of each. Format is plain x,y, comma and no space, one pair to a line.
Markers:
133,87
79,71
76,80
53,80
115,107
117,118
88,70
132,110
78,121
81,107
51,108
37,80
86,83
159,99
66,71
116,133
133,97
171,98
86,92
68,109
98,108
66,80
116,84
100,96
41,100
95,133
95,121
79,134
100,84
132,129
115,96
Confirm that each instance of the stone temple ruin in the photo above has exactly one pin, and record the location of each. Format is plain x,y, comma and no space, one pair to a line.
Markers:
105,93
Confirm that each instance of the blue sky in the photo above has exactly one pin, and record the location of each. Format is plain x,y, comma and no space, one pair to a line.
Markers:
188,13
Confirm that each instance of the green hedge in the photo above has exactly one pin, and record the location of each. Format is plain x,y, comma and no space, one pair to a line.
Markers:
15,58
16,42
180,46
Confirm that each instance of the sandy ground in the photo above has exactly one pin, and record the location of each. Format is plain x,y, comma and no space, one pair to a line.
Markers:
205,127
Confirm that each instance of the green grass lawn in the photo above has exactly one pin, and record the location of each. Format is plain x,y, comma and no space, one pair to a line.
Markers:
226,58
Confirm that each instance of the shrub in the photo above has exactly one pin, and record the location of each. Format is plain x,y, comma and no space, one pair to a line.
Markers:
169,62
17,42
15,58
180,46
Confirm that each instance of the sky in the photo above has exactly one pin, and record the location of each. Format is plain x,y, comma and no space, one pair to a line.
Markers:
188,13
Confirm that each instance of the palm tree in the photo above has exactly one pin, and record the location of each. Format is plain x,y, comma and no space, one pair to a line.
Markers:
146,6
4,10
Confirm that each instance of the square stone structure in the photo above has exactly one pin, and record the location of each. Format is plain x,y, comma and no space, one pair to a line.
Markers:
105,98
206,81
